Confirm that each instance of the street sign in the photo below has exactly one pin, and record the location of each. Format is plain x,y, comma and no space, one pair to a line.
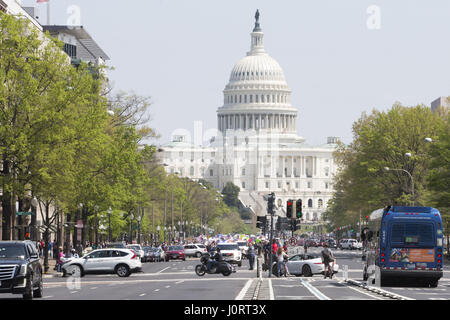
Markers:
24,213
293,241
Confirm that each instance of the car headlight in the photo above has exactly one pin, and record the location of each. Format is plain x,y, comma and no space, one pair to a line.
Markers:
23,270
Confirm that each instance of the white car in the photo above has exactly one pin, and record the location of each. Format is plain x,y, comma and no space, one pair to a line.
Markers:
194,250
350,244
243,247
231,253
123,262
138,249
299,265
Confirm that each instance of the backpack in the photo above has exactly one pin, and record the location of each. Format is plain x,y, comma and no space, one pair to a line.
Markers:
326,255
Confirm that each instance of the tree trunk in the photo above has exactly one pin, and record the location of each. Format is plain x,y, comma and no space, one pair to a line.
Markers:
67,237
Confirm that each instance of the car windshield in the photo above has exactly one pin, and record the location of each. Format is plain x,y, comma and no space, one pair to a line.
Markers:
201,246
10,250
175,248
135,247
228,246
242,244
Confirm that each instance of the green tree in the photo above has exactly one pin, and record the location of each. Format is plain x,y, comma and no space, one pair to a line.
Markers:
381,140
231,194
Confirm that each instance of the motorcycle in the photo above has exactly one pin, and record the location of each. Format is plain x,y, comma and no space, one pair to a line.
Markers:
222,267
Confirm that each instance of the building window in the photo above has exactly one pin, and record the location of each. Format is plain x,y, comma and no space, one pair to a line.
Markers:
243,185
309,184
267,185
296,185
191,171
279,185
211,172
320,203
243,171
262,98
256,98
310,203
180,153
326,185
251,98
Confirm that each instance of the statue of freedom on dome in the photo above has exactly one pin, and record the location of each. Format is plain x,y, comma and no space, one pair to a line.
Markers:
257,15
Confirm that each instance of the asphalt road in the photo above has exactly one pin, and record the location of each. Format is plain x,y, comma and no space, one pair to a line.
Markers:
176,280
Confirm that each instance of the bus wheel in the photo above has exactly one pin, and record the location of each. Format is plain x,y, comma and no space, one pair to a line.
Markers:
433,283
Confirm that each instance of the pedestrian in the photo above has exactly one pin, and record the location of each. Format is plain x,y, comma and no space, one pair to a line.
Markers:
280,261
59,261
305,246
327,258
251,256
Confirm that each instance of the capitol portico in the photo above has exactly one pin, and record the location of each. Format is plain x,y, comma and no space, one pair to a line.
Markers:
257,146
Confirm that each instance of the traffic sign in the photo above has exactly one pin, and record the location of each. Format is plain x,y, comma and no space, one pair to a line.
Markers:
293,241
24,213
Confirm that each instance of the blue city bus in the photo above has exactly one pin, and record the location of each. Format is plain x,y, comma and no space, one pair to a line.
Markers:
404,243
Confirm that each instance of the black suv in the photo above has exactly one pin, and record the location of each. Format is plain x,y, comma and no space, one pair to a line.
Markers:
20,269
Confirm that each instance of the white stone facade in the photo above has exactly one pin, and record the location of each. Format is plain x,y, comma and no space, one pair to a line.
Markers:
257,146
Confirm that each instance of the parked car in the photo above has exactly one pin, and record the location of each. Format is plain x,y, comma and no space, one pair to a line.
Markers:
349,244
312,243
243,247
332,243
138,249
307,266
231,253
157,254
20,269
194,250
123,262
175,253
147,254
118,245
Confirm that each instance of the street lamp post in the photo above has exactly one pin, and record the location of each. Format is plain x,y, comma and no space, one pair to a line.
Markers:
109,224
412,180
139,218
157,235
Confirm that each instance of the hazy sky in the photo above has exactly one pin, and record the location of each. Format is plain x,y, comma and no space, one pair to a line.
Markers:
340,58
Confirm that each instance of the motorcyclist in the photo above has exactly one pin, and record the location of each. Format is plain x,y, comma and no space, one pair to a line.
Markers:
215,260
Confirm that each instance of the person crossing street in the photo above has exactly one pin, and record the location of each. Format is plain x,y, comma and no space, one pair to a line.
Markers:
327,258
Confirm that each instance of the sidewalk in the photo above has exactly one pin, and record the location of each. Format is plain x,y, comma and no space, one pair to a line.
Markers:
51,272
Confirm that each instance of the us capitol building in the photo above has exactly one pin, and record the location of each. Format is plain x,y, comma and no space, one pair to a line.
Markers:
256,146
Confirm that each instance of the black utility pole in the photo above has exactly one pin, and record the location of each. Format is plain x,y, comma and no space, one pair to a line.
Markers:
271,212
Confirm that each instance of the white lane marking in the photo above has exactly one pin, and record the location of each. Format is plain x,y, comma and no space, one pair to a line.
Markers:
163,269
319,295
244,290
366,293
178,282
47,297
93,288
74,292
156,290
167,287
271,295
142,294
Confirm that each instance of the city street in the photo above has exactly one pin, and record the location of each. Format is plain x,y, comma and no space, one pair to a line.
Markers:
176,280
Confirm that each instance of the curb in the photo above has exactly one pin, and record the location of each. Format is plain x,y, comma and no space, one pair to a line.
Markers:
376,290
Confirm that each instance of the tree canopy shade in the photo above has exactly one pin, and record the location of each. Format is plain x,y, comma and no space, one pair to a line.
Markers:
231,193
396,140
60,145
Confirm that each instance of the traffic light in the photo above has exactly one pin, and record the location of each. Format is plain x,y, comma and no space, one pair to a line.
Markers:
282,224
261,222
289,208
298,208
270,203
27,233
295,224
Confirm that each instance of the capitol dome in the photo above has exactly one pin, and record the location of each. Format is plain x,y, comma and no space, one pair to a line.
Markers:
257,96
